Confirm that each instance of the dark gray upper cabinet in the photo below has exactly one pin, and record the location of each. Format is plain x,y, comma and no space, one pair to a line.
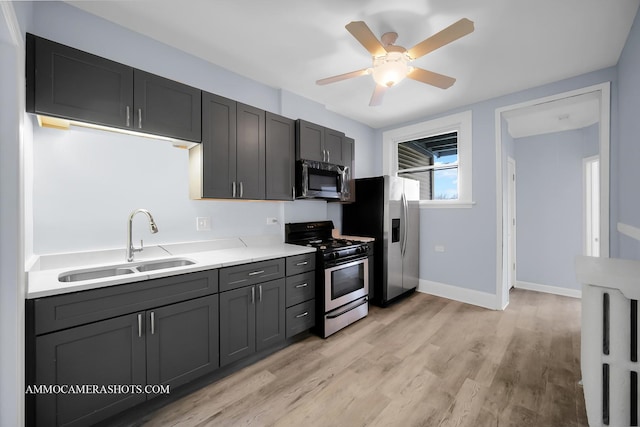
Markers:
280,157
250,152
213,163
333,142
102,353
309,141
71,84
166,107
230,162
315,142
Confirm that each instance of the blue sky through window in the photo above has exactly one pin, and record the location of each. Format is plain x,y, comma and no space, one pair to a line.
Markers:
445,182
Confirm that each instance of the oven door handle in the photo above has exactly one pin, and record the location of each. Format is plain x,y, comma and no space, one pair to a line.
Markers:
333,316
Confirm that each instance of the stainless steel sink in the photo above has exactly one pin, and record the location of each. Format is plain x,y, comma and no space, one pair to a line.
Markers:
77,276
119,270
159,265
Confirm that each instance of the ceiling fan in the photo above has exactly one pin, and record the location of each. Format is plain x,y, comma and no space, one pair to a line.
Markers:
391,62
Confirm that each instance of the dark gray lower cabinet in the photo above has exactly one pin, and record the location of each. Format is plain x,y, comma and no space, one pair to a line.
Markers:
182,341
169,345
270,313
102,353
251,319
119,339
237,324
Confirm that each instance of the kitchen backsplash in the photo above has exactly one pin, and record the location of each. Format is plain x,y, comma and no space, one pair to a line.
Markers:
86,182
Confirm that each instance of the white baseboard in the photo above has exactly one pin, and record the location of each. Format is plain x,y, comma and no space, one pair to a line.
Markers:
566,292
456,293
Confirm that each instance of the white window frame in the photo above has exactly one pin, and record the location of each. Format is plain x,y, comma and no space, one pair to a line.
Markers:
460,123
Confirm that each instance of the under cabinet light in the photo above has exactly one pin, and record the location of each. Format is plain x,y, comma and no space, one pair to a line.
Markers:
64,124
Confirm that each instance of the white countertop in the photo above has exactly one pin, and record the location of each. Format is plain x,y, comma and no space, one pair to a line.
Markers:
43,281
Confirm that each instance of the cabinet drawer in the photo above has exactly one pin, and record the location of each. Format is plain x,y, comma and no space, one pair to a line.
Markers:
301,317
249,274
63,311
301,288
300,263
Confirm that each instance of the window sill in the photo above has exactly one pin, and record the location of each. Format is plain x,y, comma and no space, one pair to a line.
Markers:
457,204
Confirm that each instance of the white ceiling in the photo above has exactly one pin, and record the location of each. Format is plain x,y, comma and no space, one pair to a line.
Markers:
290,44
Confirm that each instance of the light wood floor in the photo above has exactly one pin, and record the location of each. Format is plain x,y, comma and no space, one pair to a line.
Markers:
425,361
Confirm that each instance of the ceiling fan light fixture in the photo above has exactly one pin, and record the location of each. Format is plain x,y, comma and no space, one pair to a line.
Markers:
390,69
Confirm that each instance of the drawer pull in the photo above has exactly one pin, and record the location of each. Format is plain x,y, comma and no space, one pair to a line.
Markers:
253,273
306,313
304,285
302,263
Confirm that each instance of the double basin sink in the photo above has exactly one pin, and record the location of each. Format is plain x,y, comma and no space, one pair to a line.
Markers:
122,269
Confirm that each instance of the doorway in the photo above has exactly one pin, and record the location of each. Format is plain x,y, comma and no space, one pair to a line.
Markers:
511,222
601,94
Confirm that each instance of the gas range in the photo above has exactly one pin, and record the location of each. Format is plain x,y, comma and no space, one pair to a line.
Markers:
342,274
319,235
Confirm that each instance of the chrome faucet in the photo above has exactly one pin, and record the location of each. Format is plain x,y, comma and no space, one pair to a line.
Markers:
152,226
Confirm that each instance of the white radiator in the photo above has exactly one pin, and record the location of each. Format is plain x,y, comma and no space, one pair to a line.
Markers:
609,348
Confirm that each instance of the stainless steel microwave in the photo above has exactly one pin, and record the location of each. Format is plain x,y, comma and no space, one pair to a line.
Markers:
322,180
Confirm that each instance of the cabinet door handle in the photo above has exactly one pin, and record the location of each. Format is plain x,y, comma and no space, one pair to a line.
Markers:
328,156
241,190
293,192
139,118
324,155
233,190
253,295
306,313
253,273
139,325
153,323
128,116
302,263
304,285
260,293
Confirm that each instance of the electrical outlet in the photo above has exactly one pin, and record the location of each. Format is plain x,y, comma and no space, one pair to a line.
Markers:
203,223
271,221
439,248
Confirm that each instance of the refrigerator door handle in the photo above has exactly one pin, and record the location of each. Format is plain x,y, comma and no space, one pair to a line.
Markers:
405,217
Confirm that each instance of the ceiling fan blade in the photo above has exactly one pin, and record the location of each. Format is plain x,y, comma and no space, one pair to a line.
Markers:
341,77
363,34
431,78
444,37
378,93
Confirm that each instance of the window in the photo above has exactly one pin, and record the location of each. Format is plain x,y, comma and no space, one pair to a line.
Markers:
434,162
438,154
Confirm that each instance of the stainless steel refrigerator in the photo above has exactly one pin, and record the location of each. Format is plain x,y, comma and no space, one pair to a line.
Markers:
387,209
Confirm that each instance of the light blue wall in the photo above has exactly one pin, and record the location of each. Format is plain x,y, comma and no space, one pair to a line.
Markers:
626,162
86,182
549,195
469,234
